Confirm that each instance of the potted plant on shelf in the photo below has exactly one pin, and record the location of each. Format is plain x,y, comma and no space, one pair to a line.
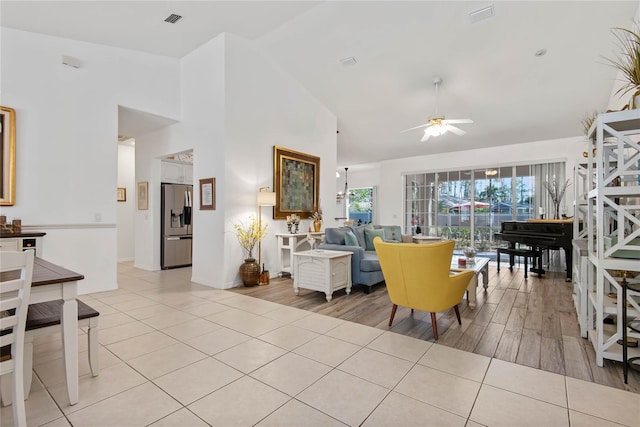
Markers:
587,122
628,63
248,236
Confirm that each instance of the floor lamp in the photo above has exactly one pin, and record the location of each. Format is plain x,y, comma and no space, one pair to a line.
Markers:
265,198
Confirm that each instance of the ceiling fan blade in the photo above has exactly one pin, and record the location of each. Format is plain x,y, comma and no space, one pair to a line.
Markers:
416,127
458,121
455,130
425,137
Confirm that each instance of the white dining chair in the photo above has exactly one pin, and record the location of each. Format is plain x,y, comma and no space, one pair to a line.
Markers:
43,319
16,271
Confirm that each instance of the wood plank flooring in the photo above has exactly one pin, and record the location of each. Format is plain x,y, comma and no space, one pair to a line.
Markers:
531,322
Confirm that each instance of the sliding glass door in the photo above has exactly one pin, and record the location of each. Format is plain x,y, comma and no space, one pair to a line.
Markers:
470,206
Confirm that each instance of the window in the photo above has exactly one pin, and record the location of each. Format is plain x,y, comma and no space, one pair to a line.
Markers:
361,205
469,206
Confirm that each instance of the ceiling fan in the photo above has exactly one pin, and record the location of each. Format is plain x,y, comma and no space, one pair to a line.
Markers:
438,125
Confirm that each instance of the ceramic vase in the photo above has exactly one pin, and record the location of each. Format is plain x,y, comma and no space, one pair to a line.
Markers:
250,272
317,225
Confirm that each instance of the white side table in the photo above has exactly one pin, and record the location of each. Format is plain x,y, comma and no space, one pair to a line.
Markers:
288,244
322,270
480,266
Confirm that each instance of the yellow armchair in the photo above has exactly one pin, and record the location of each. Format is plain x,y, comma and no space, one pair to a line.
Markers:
419,277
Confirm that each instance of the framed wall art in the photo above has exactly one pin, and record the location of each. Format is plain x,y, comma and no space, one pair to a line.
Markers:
121,194
208,194
8,154
296,178
143,196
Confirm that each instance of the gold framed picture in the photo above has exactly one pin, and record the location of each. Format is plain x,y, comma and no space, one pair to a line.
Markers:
8,154
296,178
143,196
121,194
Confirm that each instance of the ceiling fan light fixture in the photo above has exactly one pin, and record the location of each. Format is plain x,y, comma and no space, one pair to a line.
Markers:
436,130
438,125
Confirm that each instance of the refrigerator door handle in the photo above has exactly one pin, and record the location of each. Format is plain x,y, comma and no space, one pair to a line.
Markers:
173,238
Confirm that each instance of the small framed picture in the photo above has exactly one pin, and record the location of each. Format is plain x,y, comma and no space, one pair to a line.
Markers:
121,194
143,196
207,194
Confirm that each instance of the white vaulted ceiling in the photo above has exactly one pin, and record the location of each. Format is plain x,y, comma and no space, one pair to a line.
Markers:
489,70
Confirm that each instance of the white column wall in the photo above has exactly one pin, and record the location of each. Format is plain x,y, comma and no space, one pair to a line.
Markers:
265,106
203,81
125,210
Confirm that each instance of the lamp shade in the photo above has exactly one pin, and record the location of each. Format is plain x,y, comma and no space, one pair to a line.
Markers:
266,198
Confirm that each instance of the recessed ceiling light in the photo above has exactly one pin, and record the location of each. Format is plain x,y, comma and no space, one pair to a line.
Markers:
541,52
173,18
348,62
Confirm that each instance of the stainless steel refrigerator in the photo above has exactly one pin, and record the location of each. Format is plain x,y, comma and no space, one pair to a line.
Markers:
177,228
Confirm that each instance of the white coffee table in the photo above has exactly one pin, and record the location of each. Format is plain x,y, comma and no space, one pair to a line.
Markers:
480,266
322,270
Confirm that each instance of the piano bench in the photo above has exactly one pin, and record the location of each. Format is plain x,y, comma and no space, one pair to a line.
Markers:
534,254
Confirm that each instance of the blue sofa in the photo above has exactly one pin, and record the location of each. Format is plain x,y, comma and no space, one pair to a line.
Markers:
365,267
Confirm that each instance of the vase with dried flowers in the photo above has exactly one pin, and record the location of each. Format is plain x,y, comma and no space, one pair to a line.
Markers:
316,216
248,236
556,193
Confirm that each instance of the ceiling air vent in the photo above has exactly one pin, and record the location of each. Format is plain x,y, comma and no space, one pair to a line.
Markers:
482,14
348,62
173,18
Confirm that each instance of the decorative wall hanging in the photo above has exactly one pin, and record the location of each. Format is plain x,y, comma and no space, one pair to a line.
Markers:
296,178
121,194
8,153
143,196
208,194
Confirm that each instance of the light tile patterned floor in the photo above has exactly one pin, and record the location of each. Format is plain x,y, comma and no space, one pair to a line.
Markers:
176,354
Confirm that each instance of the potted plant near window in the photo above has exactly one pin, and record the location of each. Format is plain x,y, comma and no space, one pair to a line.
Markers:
248,236
628,63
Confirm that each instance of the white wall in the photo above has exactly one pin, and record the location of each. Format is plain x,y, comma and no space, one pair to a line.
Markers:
265,107
66,119
125,210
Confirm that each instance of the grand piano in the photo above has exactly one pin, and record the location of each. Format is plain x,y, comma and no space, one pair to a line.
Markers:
540,234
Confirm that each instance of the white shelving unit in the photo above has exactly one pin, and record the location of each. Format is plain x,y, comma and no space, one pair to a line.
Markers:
611,216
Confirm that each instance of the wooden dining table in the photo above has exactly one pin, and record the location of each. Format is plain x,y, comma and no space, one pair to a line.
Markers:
52,282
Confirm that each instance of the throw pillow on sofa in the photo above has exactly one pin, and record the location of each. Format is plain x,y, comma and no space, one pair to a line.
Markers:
359,233
350,239
392,233
369,235
335,236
